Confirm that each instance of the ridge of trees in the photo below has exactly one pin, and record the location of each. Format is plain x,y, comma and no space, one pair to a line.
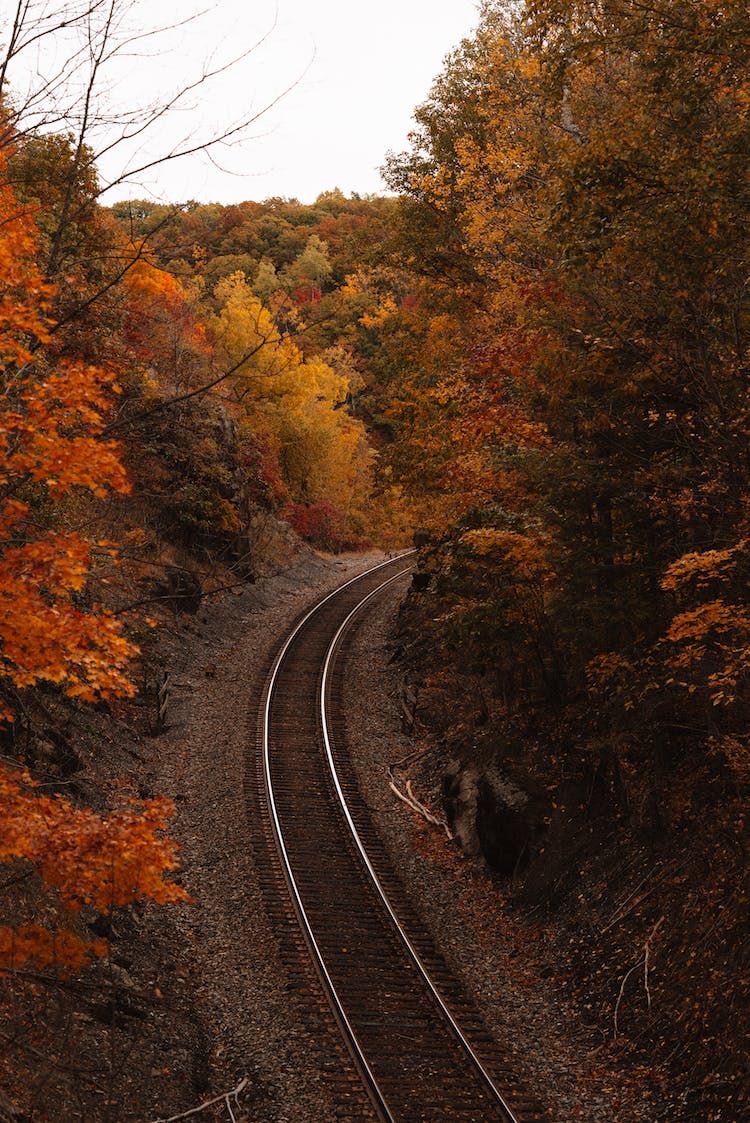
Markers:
562,342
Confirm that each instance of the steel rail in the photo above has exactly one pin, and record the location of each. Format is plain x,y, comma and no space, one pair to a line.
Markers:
472,1056
328,652
346,1026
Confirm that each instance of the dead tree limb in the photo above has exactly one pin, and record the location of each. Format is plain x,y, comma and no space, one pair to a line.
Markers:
225,1097
411,801
644,963
622,910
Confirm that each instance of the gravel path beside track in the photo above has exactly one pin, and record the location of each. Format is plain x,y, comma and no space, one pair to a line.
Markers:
223,941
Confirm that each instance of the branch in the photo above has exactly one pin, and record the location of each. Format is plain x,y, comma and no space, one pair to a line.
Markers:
128,421
143,121
274,337
225,1097
97,52
38,28
622,911
646,953
643,962
167,597
411,801
233,134
141,250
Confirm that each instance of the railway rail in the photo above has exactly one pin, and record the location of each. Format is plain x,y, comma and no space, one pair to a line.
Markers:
399,1040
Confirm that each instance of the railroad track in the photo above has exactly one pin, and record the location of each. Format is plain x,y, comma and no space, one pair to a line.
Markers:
398,1040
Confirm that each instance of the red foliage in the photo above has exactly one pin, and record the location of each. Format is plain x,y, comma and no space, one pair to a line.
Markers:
308,294
259,461
322,524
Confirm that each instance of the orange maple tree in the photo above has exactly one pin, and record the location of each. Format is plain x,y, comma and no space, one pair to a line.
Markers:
52,415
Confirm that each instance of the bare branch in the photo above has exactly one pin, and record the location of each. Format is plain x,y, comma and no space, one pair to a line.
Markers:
98,52
415,804
69,96
642,962
225,1098
126,422
229,136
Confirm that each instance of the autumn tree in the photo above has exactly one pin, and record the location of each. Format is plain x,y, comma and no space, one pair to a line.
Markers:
52,417
294,405
310,270
265,281
578,175
162,324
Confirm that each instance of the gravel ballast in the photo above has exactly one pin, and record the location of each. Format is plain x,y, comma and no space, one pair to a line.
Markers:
223,941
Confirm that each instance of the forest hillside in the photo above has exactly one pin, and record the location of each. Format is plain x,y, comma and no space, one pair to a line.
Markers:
530,358
569,388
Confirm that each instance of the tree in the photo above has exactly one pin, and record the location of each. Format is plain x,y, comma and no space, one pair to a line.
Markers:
162,325
51,420
309,272
52,416
265,282
291,403
579,178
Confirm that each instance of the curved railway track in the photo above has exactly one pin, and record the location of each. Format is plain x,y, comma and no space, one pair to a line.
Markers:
398,1039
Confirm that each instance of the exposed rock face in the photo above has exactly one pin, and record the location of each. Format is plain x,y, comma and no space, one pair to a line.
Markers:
459,794
489,815
504,826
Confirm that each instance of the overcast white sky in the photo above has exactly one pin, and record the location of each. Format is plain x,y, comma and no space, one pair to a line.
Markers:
360,69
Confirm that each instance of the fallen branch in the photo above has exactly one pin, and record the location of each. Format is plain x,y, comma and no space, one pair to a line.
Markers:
423,752
225,1097
411,801
405,761
643,962
646,953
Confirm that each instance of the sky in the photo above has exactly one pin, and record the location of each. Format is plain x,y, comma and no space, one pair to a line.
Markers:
354,73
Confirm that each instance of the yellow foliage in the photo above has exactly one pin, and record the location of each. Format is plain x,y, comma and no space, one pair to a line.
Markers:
295,402
522,552
703,567
385,309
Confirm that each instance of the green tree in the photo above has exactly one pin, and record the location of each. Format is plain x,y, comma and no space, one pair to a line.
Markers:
309,271
265,281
